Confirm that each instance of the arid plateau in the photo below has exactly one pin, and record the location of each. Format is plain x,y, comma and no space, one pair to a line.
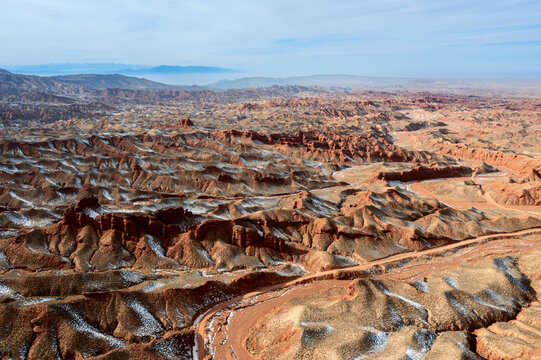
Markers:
283,222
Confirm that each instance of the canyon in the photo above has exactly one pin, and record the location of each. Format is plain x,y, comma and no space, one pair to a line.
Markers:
283,222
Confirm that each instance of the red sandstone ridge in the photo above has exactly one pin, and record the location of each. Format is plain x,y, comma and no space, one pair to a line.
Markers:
424,173
516,194
140,235
183,124
169,238
327,146
526,168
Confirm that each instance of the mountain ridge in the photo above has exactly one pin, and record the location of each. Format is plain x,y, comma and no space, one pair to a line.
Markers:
529,87
105,81
112,68
19,83
73,84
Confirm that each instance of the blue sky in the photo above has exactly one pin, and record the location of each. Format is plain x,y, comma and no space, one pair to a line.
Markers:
474,38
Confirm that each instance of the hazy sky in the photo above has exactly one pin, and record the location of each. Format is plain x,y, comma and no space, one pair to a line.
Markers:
281,37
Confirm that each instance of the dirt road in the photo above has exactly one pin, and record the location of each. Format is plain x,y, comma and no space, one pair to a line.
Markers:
200,324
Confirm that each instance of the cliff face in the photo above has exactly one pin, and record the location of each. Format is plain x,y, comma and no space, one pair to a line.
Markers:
523,167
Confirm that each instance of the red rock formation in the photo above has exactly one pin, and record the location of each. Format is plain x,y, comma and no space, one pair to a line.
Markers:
424,173
526,168
331,147
182,124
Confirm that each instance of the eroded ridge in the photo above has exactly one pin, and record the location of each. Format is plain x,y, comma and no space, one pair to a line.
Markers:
283,222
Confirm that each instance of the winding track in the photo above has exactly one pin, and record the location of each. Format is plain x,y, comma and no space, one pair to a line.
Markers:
200,323
491,200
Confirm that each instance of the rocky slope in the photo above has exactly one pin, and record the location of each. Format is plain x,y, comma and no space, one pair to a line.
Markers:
123,225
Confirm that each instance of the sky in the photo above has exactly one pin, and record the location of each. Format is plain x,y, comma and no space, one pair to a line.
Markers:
411,38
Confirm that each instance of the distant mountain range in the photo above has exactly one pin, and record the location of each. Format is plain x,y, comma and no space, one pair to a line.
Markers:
83,84
341,81
110,68
50,98
525,87
167,69
73,84
99,81
17,83
332,80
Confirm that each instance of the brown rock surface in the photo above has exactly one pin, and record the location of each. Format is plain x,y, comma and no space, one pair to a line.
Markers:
172,223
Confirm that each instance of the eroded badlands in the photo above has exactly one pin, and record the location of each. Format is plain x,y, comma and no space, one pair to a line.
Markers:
290,224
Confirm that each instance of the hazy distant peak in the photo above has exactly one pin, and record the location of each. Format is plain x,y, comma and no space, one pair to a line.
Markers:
173,69
104,81
107,68
72,84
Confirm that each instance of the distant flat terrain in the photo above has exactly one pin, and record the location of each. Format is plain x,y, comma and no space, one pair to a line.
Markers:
139,220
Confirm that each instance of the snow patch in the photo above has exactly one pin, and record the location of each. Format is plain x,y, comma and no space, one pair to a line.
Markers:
154,245
79,324
149,325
